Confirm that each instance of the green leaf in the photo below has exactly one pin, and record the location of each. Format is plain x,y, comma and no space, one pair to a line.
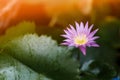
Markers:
11,69
18,30
42,77
44,56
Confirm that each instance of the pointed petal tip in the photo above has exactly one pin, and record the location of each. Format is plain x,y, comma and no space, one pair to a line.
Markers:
76,22
98,45
86,23
91,34
97,29
65,31
63,44
95,45
83,50
84,53
90,28
81,23
70,25
63,35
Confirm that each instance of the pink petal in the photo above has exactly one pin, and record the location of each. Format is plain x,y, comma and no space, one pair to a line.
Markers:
64,43
68,40
93,33
66,36
72,28
83,49
70,31
77,25
77,28
66,32
93,38
93,44
81,26
90,28
86,27
71,44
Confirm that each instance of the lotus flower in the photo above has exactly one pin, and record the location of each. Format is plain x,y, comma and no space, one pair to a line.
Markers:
81,37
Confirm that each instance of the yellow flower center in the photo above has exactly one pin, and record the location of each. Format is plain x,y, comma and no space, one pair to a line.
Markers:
80,40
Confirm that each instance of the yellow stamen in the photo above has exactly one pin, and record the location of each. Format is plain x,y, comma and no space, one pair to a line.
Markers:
80,40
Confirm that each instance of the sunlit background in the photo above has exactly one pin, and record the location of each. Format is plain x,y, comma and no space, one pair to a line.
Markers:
61,12
52,16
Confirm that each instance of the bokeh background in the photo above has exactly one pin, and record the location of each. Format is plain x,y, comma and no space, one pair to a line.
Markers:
52,16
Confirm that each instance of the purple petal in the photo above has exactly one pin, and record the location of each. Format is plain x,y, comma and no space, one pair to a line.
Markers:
93,38
92,33
67,32
70,31
64,43
86,27
67,44
68,40
72,28
83,49
71,44
89,30
77,25
66,36
93,44
81,26
77,28
90,42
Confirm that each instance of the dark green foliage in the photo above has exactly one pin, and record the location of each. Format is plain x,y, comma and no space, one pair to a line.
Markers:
98,64
97,70
102,53
44,56
54,32
109,32
11,69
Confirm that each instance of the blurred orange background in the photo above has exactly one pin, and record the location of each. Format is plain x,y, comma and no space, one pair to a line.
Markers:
53,13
